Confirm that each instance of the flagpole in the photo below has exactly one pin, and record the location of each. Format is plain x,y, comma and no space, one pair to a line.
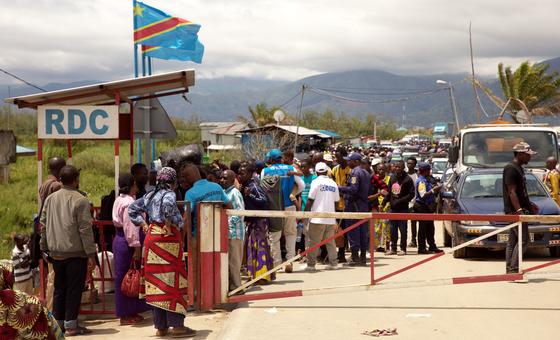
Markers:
152,141
138,141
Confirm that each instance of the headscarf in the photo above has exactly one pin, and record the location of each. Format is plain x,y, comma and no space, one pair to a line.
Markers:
167,175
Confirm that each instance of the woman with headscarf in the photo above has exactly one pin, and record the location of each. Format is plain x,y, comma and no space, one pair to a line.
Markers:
127,247
165,275
22,316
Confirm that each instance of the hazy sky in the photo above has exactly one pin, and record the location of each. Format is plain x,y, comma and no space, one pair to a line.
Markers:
70,40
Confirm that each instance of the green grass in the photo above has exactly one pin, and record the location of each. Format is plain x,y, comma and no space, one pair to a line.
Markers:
18,201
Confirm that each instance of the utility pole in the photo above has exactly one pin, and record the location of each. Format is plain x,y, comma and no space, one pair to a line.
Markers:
299,117
454,107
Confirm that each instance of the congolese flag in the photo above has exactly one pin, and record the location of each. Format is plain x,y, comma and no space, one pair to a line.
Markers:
153,27
174,53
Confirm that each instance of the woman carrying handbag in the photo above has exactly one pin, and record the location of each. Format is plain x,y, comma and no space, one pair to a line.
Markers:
127,248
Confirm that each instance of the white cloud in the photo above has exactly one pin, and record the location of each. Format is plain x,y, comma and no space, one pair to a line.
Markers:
70,40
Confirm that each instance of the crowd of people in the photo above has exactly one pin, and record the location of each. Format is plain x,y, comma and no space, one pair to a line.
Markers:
150,215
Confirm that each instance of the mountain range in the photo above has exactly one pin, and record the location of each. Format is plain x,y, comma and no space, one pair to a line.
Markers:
417,100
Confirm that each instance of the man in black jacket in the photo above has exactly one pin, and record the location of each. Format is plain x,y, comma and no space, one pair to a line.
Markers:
401,192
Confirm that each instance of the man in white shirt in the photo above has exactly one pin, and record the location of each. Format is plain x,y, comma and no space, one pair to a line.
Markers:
323,196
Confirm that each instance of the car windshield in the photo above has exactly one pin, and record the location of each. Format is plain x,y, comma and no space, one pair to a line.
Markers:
490,185
439,167
493,149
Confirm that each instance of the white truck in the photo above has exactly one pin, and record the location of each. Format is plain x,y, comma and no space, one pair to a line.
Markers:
490,145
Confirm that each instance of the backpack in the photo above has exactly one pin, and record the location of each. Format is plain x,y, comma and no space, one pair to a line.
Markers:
272,186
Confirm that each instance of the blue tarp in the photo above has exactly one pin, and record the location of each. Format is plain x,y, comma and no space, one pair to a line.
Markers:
22,150
329,133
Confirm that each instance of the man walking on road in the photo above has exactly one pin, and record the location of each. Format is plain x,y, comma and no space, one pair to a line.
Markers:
401,191
356,194
323,195
67,237
516,202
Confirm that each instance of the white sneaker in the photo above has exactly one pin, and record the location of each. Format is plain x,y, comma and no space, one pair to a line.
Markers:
310,268
331,267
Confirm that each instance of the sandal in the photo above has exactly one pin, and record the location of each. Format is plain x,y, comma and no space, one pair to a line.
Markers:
132,320
77,331
162,332
180,332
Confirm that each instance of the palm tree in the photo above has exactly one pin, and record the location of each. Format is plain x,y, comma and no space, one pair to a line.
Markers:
261,115
529,88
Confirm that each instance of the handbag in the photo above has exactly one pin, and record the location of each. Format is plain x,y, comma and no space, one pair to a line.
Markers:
130,286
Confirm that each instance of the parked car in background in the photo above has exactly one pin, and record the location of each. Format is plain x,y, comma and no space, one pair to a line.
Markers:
479,191
439,165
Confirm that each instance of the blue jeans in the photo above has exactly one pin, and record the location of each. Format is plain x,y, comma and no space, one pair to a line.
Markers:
396,227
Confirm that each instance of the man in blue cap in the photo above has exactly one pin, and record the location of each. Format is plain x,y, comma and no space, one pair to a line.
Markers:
355,194
425,203
280,198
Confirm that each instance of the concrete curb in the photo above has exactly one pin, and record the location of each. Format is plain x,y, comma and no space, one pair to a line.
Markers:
234,324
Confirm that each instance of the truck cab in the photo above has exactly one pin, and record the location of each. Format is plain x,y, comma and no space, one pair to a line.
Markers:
490,146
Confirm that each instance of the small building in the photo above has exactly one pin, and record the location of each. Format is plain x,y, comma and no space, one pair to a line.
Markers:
217,136
257,141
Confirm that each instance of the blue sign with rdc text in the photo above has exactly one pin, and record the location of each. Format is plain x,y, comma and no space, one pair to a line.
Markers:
78,122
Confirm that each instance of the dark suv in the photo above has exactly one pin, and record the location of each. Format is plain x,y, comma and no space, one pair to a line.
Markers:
479,191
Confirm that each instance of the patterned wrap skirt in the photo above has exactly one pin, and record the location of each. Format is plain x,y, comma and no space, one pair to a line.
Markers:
259,260
164,273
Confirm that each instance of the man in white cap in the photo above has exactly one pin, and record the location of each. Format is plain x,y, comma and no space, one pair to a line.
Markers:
323,196
516,202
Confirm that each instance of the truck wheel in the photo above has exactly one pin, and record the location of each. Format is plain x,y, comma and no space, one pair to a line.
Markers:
461,253
554,251
446,238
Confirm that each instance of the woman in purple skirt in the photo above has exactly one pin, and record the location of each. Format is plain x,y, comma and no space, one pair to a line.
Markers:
127,247
259,260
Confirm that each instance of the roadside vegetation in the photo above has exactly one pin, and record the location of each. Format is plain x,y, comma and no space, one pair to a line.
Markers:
18,201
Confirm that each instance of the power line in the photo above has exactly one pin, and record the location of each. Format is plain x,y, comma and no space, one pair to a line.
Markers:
419,91
22,80
392,100
290,100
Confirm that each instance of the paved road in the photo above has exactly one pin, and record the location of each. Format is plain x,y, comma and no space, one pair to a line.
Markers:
501,310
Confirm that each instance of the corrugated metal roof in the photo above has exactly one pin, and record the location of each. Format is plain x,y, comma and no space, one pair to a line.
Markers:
230,129
302,131
104,93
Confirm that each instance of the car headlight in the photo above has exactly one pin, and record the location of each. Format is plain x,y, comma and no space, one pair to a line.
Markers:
476,223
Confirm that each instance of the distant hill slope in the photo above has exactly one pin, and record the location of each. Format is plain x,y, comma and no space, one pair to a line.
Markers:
226,98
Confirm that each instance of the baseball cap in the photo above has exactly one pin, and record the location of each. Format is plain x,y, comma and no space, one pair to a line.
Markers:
354,156
524,147
321,167
274,154
328,157
424,166
376,161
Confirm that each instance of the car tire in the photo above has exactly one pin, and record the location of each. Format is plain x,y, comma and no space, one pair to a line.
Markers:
446,238
554,251
461,253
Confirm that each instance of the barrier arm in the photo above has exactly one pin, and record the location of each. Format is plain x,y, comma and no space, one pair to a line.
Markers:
297,257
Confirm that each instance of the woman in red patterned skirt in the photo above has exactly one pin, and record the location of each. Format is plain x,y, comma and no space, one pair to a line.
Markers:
165,275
